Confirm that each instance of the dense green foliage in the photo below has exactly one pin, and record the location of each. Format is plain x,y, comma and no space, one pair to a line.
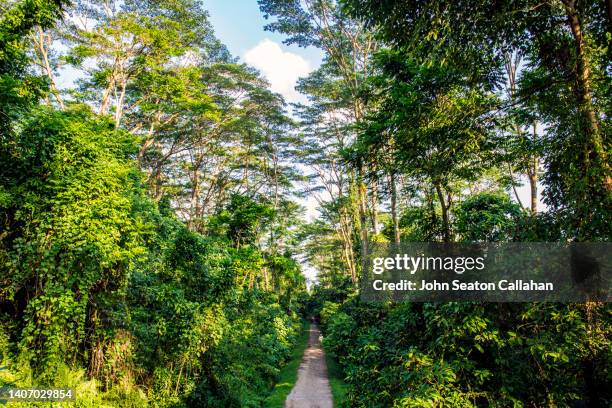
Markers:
151,245
105,286
289,374
425,119
467,354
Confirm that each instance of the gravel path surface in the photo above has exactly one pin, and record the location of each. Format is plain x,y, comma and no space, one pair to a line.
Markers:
312,387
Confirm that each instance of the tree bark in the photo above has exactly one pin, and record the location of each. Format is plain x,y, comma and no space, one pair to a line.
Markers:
43,51
195,195
532,173
119,107
346,229
516,194
394,212
445,218
157,182
533,184
374,205
106,95
594,148
363,221
583,72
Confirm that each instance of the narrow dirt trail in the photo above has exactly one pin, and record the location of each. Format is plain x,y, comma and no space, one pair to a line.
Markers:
312,387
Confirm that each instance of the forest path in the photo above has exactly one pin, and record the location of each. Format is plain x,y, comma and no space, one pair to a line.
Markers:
312,388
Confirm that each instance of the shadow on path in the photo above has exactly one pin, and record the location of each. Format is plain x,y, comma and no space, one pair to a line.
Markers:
312,387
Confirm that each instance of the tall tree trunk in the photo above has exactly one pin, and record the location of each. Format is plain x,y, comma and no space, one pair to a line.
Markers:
266,278
106,95
583,72
594,150
350,249
512,65
43,44
120,101
157,182
533,185
195,194
445,218
516,194
374,205
532,173
346,229
363,221
394,212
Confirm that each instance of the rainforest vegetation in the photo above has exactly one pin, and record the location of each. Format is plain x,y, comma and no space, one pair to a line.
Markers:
152,229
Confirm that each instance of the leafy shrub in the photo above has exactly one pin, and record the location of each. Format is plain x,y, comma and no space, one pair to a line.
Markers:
469,354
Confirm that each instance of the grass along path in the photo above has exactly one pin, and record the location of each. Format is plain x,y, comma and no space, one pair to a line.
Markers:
336,380
288,374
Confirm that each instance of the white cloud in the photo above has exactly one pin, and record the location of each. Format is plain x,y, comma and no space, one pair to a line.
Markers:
281,68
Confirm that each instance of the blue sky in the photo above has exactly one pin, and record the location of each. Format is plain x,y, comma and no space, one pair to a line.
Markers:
240,26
